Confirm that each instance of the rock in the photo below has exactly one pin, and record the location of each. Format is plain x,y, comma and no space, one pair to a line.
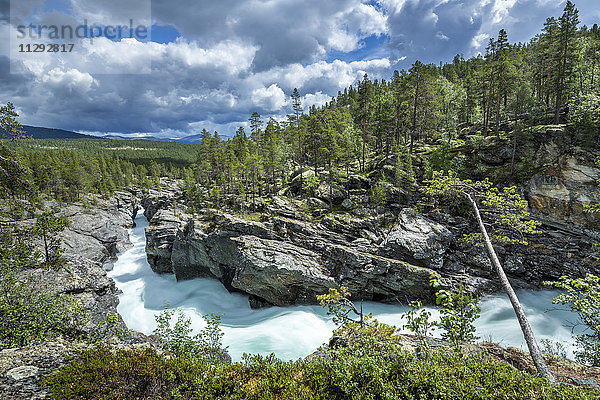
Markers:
565,187
23,372
330,193
298,179
357,182
160,235
371,277
316,203
417,240
278,272
347,204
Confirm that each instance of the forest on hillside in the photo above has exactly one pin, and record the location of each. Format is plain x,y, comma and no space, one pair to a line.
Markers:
436,116
432,113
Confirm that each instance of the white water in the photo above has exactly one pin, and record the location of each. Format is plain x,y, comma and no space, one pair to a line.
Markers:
294,332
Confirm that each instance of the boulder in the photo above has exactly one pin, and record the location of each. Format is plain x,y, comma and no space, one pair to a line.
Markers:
417,240
330,193
278,272
347,204
160,235
561,192
371,277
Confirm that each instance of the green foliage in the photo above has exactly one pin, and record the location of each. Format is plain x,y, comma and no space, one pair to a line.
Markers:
582,295
403,169
47,226
379,192
106,329
9,126
29,314
418,321
504,209
362,371
459,310
310,183
101,373
553,351
178,339
339,306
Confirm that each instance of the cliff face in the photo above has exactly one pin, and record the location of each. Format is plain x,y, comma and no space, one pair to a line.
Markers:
293,250
94,236
566,184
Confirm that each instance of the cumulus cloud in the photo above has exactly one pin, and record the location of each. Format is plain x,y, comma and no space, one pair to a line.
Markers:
270,99
235,57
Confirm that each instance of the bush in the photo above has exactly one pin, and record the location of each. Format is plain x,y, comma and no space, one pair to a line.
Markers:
28,314
458,312
178,340
355,372
582,295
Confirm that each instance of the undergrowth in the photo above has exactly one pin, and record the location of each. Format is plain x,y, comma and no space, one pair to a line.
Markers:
357,371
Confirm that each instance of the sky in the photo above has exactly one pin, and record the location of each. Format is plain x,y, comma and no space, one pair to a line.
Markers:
210,64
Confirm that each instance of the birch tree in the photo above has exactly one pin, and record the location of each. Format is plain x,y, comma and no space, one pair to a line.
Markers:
502,216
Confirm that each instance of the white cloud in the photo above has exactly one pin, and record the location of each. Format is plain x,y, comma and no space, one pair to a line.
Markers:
71,80
271,98
315,99
479,40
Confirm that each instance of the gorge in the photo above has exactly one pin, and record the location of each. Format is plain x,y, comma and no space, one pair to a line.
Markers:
294,332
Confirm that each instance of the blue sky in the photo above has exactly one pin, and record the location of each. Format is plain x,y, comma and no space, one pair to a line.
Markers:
211,64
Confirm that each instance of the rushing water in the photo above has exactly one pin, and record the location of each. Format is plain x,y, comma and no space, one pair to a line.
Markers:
293,332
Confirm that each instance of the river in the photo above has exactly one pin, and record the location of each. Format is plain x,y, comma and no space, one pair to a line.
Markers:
294,332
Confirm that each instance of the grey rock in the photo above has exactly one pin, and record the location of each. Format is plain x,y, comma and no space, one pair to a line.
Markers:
160,235
278,272
330,193
316,203
347,204
417,240
23,372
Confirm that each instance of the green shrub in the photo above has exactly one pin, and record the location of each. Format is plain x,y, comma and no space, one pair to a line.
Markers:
29,314
178,339
582,295
354,372
458,312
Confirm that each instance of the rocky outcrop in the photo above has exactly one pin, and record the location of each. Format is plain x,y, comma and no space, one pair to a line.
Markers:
565,186
160,235
284,260
416,239
96,232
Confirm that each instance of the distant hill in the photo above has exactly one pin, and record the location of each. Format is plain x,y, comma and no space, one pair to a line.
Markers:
151,138
38,132
194,139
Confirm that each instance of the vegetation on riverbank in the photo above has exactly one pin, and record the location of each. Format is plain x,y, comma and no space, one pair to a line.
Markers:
372,368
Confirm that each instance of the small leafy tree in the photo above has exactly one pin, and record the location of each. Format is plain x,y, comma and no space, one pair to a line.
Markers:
178,339
47,225
418,321
339,306
582,295
507,217
379,192
459,310
310,183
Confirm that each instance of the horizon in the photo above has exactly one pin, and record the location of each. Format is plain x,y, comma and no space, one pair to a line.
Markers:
210,66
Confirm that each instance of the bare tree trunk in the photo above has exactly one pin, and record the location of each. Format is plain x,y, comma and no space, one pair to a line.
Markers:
534,350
